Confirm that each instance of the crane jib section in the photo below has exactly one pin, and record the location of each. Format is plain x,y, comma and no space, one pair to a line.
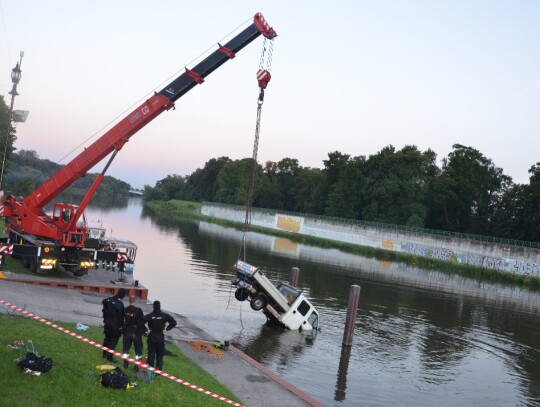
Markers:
196,75
112,140
117,136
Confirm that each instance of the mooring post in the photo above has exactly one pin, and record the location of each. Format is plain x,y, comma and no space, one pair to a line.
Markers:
352,308
293,276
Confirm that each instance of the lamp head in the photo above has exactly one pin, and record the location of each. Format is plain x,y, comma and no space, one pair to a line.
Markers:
16,74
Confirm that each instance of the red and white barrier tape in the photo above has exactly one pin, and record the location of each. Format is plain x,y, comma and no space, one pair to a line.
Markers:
121,355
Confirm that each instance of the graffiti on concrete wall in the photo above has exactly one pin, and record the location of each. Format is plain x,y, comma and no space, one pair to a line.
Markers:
514,266
474,259
435,252
443,254
415,249
493,263
525,267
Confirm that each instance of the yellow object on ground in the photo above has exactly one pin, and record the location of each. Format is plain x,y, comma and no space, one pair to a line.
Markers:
105,367
2,275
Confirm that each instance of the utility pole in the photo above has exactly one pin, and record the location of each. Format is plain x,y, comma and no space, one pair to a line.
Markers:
15,78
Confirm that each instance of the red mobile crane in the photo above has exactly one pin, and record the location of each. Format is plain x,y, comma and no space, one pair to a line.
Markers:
45,241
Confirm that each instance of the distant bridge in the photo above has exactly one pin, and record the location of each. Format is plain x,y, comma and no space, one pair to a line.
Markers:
135,192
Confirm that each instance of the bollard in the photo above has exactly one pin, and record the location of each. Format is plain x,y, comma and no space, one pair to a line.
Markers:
352,308
293,276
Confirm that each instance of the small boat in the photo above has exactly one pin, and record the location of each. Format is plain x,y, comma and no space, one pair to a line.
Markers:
105,245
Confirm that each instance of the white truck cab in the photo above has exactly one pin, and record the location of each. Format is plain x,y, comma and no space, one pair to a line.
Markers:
283,303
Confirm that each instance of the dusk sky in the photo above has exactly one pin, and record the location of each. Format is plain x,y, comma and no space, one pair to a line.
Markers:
352,76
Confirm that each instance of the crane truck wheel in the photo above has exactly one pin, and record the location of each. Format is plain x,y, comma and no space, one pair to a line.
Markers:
258,302
79,272
33,264
241,294
26,261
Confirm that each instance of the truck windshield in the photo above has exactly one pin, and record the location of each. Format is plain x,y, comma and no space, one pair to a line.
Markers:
313,320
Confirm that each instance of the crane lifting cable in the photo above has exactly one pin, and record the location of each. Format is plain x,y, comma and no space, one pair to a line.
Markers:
263,77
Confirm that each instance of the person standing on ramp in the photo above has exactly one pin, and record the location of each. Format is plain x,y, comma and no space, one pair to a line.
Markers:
134,327
113,321
158,322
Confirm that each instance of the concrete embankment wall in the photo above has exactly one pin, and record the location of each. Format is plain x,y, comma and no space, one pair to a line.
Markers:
499,256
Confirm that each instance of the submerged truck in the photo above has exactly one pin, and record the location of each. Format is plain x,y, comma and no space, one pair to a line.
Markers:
282,304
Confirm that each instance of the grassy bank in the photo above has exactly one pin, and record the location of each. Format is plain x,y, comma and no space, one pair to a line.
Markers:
74,379
182,209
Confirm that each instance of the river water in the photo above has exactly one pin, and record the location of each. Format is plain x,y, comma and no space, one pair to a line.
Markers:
422,338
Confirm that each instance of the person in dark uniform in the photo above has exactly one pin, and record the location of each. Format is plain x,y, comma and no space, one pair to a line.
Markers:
113,321
134,327
106,247
156,321
112,265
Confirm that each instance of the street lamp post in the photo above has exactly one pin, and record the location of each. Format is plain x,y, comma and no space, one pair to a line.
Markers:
15,78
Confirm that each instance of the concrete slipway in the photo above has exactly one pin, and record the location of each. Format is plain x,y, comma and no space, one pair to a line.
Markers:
255,385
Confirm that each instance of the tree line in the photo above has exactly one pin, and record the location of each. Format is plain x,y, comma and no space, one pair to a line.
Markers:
27,171
467,194
7,141
24,170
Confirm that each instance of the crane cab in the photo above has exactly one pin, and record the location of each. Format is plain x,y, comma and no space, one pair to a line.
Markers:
63,216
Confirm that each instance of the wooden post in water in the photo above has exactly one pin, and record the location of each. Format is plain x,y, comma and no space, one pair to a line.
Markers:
352,308
293,276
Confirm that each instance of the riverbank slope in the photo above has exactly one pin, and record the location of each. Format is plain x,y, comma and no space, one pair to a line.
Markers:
252,385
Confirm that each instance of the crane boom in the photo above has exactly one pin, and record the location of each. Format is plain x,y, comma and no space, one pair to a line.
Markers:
116,137
27,221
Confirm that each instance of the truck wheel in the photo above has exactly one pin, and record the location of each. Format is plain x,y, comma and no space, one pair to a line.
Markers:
258,302
33,264
79,272
241,294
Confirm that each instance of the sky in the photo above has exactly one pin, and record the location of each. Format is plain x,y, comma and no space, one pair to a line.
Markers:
348,76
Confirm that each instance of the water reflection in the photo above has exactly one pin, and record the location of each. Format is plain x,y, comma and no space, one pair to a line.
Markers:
421,337
341,384
373,269
429,323
274,343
